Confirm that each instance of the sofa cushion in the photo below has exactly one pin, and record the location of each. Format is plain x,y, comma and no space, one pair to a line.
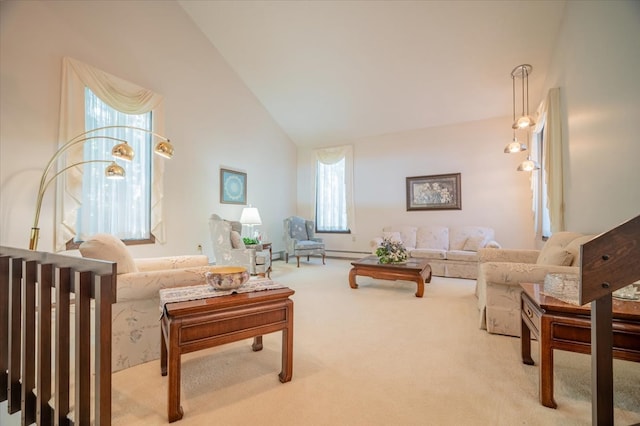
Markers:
555,256
236,240
110,248
474,243
407,235
392,236
458,236
559,239
574,248
429,253
432,237
466,256
298,229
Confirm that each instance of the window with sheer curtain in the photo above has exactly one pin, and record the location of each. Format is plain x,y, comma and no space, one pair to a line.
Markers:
547,184
91,98
118,207
334,200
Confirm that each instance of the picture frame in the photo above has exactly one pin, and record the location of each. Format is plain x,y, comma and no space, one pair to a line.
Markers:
233,187
434,192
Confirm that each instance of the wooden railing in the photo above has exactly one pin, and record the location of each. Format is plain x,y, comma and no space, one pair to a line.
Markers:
41,292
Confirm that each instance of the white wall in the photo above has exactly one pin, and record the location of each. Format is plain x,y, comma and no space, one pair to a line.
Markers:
596,64
494,194
211,117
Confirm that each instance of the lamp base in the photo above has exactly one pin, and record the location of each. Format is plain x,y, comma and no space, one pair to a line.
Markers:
33,238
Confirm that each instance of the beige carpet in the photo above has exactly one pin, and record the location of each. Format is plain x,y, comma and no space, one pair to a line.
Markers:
373,356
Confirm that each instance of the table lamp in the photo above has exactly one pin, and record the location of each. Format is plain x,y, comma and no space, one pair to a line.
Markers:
250,217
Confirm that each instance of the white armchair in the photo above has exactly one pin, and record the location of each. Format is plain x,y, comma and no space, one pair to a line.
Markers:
500,272
229,248
135,315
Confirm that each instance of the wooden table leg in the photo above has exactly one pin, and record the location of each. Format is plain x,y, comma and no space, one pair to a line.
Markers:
525,337
352,278
546,364
257,344
163,349
287,346
420,282
174,410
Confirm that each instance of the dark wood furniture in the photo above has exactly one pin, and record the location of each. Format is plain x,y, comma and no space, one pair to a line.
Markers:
40,291
417,270
567,327
199,324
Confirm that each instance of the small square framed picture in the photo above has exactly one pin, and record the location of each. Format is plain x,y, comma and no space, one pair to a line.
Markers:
233,187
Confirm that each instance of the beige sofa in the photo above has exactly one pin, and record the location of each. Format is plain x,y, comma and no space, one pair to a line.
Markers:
136,314
500,273
452,252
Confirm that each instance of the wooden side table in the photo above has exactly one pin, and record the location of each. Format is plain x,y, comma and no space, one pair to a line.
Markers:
560,325
270,248
200,324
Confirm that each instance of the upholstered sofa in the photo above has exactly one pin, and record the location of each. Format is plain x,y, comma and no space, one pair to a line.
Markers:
500,273
452,252
136,313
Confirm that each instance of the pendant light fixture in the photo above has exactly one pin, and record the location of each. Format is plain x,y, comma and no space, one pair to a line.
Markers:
522,72
528,165
515,145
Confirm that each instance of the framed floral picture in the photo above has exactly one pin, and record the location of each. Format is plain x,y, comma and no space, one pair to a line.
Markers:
435,192
233,187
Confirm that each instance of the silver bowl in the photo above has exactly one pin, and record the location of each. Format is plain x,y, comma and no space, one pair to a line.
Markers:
226,277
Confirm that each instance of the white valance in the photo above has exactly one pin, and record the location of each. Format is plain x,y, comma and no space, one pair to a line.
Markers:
118,94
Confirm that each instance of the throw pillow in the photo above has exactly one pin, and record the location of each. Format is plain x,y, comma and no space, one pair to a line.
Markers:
393,236
236,240
473,244
111,248
555,256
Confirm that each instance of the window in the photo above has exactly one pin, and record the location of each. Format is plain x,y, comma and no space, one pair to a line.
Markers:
118,207
547,184
334,200
111,100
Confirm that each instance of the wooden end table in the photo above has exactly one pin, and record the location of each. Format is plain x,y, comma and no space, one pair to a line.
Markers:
415,269
200,324
560,325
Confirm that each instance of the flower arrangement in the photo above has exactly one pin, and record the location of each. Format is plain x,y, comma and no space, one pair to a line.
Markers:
391,252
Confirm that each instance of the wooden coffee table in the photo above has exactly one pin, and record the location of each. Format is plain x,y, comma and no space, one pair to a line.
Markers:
199,324
417,270
560,325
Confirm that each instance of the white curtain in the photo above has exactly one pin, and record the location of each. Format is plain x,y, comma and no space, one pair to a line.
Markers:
333,156
118,94
549,129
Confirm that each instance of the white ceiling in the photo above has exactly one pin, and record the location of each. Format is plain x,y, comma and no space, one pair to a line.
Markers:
330,71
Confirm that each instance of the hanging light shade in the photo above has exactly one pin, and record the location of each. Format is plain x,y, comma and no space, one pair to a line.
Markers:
123,151
528,165
514,146
164,149
525,120
114,171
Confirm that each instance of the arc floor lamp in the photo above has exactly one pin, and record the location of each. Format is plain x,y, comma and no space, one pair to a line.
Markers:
122,150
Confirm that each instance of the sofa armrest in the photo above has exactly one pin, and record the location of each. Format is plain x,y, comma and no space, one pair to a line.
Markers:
145,285
510,273
170,262
507,255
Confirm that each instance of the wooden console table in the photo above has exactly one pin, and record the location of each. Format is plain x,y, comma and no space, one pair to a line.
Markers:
559,325
199,324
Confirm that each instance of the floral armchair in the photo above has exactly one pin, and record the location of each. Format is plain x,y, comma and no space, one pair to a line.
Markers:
300,240
135,315
229,248
500,272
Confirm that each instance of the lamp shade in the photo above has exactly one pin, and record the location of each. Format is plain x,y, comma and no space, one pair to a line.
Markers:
250,216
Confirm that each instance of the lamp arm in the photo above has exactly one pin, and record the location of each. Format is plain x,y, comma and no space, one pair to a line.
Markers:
159,136
33,243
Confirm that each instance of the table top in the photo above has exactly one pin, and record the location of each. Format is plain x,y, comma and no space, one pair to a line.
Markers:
228,301
622,309
411,264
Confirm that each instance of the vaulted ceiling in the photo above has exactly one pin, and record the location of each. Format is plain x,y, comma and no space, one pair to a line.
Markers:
332,71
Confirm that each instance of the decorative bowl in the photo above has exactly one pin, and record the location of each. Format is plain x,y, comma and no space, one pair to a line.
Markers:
226,277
